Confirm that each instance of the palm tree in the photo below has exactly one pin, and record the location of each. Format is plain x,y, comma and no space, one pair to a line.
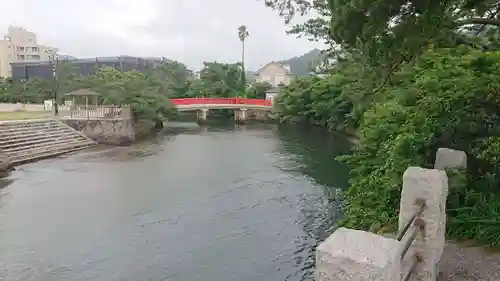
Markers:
243,34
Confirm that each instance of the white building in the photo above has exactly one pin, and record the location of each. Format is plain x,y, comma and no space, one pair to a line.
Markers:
20,45
272,93
274,73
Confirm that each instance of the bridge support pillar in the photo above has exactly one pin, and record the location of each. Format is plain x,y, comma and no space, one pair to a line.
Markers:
202,115
240,115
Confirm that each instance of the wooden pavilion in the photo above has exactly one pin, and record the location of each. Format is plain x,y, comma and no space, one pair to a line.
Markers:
85,104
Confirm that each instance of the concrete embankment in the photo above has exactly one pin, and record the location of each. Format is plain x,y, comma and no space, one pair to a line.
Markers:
24,141
112,131
105,131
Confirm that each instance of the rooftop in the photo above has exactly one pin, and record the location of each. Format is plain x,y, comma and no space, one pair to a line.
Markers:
83,92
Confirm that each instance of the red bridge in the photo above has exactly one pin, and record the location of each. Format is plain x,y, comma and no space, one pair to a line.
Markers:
240,105
214,102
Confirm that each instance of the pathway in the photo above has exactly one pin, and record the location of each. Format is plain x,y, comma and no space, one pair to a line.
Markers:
462,262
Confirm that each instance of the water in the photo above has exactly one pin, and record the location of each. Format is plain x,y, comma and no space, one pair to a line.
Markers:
210,204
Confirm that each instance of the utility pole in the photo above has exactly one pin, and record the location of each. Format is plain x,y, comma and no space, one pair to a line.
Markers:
54,61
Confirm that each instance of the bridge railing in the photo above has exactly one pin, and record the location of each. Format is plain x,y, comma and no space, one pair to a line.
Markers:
100,112
414,253
234,100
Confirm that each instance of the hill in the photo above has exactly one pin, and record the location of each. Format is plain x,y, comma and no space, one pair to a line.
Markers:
66,57
304,64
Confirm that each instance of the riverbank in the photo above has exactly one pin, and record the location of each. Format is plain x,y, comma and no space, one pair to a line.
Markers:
461,261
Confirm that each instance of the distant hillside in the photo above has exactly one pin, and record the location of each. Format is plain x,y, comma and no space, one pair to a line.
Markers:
304,64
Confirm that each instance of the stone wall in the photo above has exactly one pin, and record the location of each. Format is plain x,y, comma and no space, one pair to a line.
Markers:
143,128
110,131
4,162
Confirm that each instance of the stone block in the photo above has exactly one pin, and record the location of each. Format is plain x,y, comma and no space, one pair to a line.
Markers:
431,186
354,255
450,158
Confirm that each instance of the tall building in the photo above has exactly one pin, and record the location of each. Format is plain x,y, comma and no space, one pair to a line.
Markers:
22,71
20,45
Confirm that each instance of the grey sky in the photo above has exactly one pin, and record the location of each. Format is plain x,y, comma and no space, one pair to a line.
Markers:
191,31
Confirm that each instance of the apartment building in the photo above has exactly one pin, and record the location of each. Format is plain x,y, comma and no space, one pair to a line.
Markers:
20,45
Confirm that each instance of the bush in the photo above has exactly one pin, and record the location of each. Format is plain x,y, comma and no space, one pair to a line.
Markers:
449,98
452,100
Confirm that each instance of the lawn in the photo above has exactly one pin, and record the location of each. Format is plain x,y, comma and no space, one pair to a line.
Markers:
24,115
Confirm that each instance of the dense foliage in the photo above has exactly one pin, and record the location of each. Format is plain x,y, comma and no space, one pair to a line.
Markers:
148,93
316,100
449,99
145,93
224,80
413,76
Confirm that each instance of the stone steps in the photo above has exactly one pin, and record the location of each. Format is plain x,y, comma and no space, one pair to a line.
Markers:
13,142
29,140
38,154
9,131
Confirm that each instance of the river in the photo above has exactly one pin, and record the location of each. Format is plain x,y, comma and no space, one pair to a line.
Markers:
213,203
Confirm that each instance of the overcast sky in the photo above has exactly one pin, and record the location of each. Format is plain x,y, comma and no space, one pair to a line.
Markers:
191,31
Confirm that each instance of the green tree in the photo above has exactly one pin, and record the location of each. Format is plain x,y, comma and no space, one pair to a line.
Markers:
258,90
218,80
171,77
36,90
317,27
6,90
319,101
448,99
289,8
133,88
389,33
66,76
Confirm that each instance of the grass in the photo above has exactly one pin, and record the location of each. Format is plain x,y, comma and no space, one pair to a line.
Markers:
25,115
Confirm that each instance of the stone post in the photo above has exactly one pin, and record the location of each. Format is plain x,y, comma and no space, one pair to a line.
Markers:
431,187
202,115
240,115
354,255
236,115
243,114
449,158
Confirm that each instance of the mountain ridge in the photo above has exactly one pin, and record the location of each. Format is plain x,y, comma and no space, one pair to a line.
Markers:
301,65
304,64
